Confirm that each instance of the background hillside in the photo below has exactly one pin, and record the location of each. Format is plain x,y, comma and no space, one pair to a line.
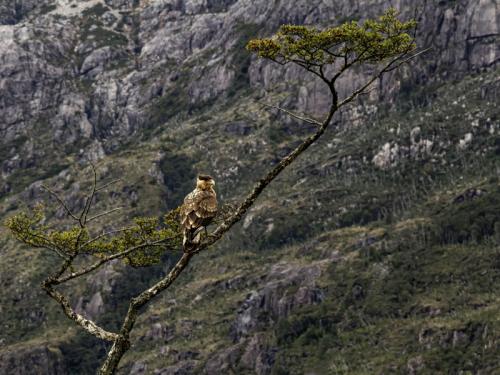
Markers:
376,253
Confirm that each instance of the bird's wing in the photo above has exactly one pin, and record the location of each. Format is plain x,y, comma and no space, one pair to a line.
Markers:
199,208
188,207
206,205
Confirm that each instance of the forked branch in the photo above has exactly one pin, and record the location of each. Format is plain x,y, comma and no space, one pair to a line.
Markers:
61,202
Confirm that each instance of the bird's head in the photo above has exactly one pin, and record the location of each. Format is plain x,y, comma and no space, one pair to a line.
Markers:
205,182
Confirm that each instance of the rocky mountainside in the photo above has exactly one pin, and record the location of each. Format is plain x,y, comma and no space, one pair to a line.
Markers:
376,253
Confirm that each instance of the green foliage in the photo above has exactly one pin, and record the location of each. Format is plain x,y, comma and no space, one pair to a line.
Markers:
93,29
145,242
145,231
96,11
373,41
27,227
473,218
310,327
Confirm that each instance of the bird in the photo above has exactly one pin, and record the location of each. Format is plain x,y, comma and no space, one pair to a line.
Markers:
198,210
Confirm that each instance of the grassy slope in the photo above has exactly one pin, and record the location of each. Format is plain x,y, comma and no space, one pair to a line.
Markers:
421,292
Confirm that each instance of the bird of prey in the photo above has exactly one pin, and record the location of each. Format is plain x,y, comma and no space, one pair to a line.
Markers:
198,210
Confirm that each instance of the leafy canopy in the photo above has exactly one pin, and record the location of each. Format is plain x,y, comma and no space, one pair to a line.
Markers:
351,42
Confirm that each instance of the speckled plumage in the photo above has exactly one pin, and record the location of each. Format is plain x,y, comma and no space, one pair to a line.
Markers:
199,209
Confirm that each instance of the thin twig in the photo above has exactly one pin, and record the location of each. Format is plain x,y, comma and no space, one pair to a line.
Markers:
109,184
103,214
308,66
409,59
366,92
61,201
88,202
389,67
294,115
52,246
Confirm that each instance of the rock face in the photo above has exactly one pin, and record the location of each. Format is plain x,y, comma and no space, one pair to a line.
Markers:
94,77
39,360
285,289
15,11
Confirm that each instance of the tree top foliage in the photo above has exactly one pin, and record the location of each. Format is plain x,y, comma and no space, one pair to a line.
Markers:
351,42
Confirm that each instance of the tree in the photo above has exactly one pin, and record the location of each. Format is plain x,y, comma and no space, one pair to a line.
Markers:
385,44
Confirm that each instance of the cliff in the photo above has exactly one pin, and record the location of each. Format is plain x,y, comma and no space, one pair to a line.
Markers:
376,253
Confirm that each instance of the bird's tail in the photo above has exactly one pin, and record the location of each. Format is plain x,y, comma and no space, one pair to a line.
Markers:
187,239
191,238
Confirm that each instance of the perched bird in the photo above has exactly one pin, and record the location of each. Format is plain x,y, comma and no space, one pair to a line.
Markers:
198,210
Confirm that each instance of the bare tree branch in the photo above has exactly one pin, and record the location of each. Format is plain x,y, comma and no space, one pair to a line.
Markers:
98,264
90,197
109,184
294,115
389,67
103,214
86,324
348,64
61,201
309,67
407,60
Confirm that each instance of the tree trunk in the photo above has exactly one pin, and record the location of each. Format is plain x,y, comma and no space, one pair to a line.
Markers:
122,343
119,348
